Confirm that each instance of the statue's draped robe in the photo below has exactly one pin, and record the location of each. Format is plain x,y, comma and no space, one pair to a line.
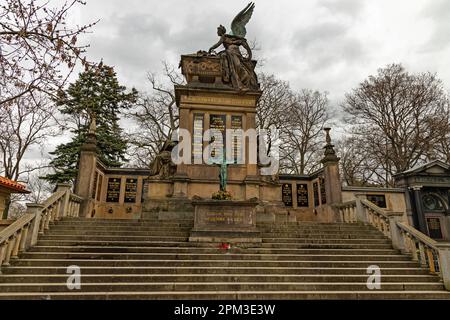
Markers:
236,69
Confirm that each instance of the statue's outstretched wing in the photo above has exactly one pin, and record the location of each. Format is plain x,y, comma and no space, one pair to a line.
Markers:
242,18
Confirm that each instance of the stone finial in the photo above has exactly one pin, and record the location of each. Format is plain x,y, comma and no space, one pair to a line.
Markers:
330,153
93,124
91,138
328,138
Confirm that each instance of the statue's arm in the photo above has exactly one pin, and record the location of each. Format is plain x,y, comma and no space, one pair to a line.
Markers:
247,48
216,45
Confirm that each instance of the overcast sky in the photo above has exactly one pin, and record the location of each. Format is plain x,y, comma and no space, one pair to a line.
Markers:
326,45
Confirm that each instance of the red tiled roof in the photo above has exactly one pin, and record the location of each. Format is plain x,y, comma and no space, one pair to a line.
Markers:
13,185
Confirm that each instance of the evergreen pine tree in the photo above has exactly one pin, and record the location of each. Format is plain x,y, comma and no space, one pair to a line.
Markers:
97,91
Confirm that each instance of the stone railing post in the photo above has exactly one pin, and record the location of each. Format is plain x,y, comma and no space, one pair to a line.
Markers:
64,207
361,214
395,233
444,263
35,209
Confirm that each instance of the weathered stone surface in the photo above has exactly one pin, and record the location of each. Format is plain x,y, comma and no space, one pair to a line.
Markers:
295,260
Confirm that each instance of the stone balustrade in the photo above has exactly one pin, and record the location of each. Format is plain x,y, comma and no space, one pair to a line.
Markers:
347,211
433,255
23,233
378,217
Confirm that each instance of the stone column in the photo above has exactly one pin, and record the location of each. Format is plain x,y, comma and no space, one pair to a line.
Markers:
421,223
33,232
444,263
184,124
396,237
64,207
86,171
361,214
252,168
331,174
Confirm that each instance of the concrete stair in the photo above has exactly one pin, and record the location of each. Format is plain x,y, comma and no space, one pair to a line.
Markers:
150,259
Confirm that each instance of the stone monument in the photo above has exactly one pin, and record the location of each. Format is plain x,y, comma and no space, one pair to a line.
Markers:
222,219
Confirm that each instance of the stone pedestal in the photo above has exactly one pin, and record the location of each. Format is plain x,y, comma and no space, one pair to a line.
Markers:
225,221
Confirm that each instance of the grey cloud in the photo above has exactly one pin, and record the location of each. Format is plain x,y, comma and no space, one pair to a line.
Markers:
344,7
326,44
142,41
438,12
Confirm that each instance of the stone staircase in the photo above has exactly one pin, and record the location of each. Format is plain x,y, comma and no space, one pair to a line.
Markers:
150,259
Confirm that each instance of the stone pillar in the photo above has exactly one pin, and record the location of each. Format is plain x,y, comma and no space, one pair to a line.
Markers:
33,232
64,207
396,237
252,168
361,214
184,124
180,185
420,216
331,174
444,263
86,171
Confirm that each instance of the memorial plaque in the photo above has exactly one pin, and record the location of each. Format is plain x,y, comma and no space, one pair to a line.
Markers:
316,193
218,122
323,193
197,140
113,191
225,221
302,195
377,199
130,190
286,191
236,136
434,228
224,217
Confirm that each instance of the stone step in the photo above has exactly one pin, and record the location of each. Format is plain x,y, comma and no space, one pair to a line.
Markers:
232,295
50,236
137,278
337,227
120,228
208,256
81,221
152,259
225,263
121,225
317,229
313,225
95,270
189,223
61,225
324,240
108,238
322,235
125,249
93,228
217,286
119,233
178,233
329,245
177,244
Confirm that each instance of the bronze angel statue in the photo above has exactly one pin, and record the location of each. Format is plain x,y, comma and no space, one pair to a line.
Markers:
237,69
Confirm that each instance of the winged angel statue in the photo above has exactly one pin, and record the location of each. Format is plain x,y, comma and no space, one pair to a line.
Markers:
237,69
